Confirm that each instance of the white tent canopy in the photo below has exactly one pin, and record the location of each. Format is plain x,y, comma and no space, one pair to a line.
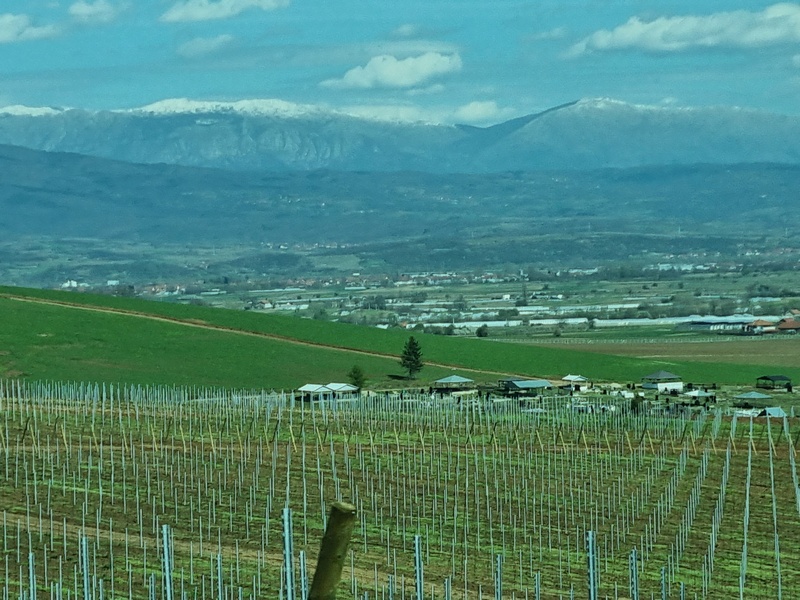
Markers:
454,379
753,396
574,378
773,411
699,394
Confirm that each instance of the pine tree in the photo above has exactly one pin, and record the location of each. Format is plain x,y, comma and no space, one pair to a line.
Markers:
357,377
411,359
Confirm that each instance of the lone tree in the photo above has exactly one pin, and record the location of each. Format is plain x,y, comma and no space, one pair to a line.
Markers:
357,377
411,359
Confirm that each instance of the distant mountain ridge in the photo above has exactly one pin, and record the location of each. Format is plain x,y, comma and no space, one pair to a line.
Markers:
71,195
274,135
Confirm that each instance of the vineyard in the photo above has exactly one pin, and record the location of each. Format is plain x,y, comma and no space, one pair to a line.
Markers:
210,494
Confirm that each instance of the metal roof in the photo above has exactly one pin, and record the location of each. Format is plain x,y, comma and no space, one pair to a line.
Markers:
530,384
574,378
314,388
454,379
341,387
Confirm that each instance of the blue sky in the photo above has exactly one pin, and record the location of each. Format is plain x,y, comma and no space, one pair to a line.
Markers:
436,60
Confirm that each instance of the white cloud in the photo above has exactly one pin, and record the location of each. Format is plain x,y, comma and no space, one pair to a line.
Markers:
551,34
386,71
407,30
202,46
394,113
482,112
436,88
19,28
206,10
100,11
776,24
410,47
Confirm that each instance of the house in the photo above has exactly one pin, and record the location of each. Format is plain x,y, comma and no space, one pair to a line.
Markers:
771,382
788,326
662,381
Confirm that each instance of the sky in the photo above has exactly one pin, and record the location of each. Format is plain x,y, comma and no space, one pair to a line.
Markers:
465,61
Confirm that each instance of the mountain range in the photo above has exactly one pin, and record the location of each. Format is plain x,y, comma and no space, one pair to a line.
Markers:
60,194
265,135
284,188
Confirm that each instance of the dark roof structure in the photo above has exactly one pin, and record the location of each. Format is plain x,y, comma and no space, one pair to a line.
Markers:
661,376
772,381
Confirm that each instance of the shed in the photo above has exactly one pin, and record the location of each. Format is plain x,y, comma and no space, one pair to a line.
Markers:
771,382
662,381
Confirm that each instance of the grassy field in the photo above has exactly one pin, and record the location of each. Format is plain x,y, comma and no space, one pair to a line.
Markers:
114,464
780,352
63,342
53,342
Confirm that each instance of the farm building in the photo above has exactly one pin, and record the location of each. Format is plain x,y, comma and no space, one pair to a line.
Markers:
788,326
760,326
662,381
574,382
315,391
524,386
771,382
719,324
342,389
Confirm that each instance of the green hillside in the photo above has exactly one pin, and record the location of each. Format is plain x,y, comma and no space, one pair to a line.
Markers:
45,341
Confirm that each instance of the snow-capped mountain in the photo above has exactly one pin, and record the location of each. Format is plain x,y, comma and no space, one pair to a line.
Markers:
278,135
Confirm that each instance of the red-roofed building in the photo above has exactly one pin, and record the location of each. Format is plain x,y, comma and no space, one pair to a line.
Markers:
788,325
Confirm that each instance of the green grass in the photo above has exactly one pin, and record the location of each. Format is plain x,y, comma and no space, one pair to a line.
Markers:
48,342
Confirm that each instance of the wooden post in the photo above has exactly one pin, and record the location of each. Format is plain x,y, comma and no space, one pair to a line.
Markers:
333,551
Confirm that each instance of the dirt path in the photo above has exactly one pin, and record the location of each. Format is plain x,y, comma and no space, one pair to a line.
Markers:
199,324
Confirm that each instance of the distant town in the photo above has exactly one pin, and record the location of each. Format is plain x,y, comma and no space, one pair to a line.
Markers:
701,297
